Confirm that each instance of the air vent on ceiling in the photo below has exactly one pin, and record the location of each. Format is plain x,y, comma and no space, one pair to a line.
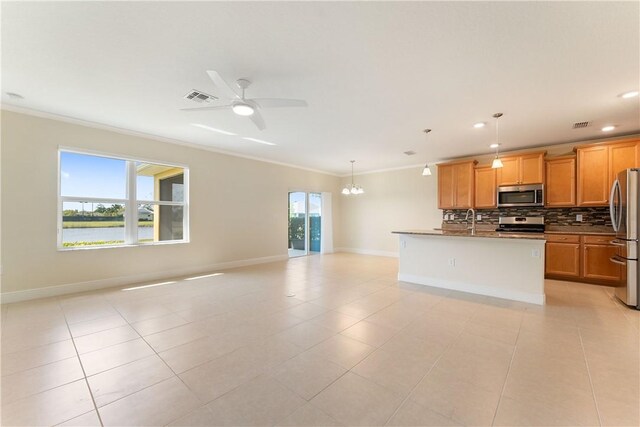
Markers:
410,153
580,125
199,97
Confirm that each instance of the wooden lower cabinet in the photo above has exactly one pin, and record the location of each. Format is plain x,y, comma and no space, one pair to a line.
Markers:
596,251
562,259
581,258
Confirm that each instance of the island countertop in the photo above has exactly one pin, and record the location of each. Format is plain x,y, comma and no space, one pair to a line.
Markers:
478,233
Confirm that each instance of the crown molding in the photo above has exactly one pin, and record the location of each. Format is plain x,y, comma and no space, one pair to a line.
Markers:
123,131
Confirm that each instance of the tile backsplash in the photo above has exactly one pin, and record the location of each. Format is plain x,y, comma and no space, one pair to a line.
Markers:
552,216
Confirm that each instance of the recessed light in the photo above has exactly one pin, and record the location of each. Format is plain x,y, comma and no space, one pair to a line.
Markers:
494,145
224,132
608,128
259,141
479,125
630,94
14,95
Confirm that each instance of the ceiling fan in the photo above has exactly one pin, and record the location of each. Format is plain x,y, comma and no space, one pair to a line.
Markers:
245,106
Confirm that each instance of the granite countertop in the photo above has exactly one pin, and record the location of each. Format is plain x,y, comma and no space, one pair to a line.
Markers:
595,230
486,230
590,230
479,233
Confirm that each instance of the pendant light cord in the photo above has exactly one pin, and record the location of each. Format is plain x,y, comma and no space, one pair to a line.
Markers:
352,162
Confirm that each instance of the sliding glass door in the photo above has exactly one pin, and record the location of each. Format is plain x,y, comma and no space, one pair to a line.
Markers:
304,223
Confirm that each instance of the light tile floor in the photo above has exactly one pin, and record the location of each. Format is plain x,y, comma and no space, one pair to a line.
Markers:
353,347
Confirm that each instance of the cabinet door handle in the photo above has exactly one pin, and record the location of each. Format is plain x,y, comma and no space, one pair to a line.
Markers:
562,238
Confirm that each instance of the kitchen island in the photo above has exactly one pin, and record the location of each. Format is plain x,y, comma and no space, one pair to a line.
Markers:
503,265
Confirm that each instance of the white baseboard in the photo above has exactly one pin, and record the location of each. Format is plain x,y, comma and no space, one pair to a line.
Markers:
368,252
92,285
538,299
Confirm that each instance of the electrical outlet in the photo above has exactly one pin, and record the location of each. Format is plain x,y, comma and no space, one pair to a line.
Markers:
452,262
535,253
579,217
478,217
446,217
403,243
452,217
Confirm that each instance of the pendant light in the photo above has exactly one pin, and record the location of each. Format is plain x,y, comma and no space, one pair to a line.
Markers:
497,163
352,189
426,171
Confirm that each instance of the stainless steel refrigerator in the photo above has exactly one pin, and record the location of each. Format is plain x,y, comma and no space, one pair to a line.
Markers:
624,210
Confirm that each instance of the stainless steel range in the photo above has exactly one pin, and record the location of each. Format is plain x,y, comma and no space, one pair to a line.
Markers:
521,224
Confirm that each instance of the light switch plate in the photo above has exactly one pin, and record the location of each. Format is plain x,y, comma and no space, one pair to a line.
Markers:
478,217
579,217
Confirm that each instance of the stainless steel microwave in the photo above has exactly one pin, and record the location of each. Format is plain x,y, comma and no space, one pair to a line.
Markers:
521,195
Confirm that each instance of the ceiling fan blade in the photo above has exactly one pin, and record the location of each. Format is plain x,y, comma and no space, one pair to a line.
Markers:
277,102
214,107
225,89
257,119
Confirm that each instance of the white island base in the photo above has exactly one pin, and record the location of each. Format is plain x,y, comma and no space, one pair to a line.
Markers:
509,268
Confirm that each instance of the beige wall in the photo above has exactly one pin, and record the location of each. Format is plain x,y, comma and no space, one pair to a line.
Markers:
238,207
393,200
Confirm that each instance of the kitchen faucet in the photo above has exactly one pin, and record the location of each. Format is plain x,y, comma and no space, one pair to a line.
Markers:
473,220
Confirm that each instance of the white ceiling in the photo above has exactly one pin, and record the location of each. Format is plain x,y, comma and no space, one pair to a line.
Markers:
374,74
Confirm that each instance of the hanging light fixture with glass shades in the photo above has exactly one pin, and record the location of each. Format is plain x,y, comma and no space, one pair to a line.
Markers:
426,171
497,163
352,188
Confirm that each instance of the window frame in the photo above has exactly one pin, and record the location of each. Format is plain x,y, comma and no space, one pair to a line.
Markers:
130,203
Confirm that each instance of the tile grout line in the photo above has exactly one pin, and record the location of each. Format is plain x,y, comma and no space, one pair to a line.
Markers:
593,391
350,370
408,396
506,378
86,380
265,372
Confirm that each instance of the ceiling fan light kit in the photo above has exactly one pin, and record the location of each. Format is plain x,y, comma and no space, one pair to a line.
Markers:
242,106
242,109
352,188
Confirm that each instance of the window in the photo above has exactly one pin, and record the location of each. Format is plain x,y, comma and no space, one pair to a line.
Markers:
109,201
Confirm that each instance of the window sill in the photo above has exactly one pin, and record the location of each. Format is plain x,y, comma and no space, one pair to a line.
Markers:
137,245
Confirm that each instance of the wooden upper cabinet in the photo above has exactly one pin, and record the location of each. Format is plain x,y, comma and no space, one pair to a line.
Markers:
485,188
463,173
532,168
523,169
455,185
446,196
509,173
560,187
622,156
593,176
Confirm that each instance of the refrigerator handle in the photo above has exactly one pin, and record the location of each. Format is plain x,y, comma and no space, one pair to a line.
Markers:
616,242
616,260
612,206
